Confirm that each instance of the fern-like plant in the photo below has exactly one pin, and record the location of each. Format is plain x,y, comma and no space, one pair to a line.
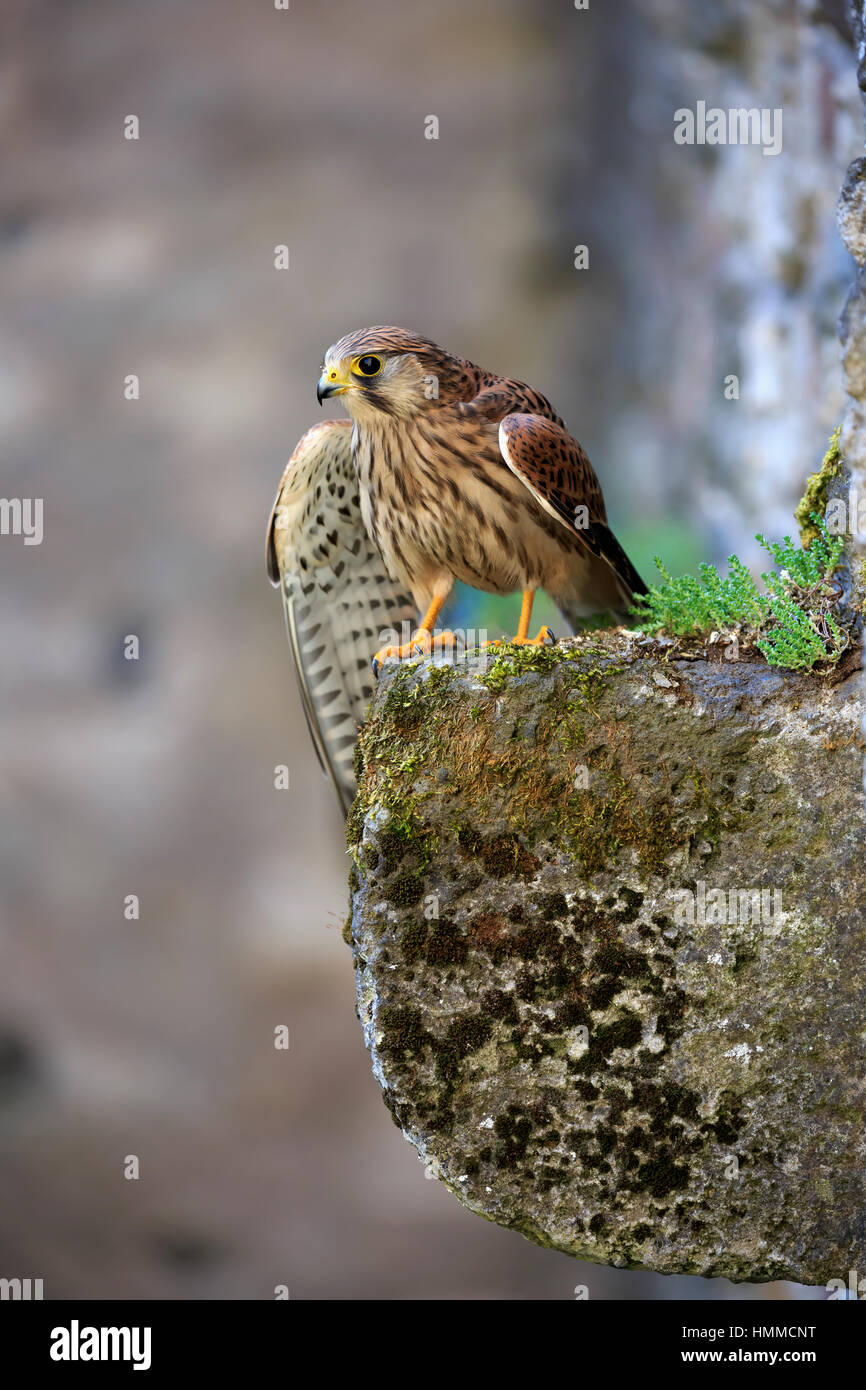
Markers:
792,623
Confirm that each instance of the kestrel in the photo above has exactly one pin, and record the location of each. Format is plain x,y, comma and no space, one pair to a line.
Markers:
447,472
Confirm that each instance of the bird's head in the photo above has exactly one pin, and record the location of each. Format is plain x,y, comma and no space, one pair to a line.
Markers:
385,371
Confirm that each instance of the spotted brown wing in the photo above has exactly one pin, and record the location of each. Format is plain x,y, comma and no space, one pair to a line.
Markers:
544,456
338,597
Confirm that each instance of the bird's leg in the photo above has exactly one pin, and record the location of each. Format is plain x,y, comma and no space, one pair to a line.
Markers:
422,642
544,636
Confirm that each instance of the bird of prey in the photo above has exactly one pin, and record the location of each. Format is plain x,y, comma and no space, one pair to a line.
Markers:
447,472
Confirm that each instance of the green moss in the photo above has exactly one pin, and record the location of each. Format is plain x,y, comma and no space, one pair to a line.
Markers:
403,1031
405,890
511,661
614,814
465,1035
548,1177
595,824
553,907
624,1032
661,1175
672,1099
670,1018
729,1121
543,938
503,856
499,1004
491,933
439,1118
614,958
815,498
571,1013
358,762
445,944
745,955
355,823
632,903
512,1139
412,940
406,712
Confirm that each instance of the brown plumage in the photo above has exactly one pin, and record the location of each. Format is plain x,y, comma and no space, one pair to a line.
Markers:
467,475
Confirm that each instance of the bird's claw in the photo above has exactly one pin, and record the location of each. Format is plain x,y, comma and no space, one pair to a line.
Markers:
421,643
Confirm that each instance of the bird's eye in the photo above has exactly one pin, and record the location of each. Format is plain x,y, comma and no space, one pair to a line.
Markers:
368,366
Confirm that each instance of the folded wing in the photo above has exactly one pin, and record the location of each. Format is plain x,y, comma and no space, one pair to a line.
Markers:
544,456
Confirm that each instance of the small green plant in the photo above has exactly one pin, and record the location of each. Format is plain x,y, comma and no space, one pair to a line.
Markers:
792,623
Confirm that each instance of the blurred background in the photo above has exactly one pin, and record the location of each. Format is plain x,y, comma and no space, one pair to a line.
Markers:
155,257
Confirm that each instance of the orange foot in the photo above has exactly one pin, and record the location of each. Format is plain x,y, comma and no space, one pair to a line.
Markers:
421,643
544,638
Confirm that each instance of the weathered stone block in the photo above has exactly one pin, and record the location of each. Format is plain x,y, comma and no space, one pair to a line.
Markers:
570,1006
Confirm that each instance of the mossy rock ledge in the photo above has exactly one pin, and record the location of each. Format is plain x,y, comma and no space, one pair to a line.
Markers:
587,1039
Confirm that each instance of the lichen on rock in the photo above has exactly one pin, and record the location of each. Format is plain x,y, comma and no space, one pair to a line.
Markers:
559,859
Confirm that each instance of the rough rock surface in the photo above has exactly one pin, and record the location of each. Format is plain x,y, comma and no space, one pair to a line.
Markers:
574,1053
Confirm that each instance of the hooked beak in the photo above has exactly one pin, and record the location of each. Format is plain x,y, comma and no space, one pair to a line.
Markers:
330,384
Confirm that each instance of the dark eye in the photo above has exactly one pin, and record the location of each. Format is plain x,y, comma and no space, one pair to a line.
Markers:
369,366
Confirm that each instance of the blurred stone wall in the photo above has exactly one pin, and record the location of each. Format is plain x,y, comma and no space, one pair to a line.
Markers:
710,261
